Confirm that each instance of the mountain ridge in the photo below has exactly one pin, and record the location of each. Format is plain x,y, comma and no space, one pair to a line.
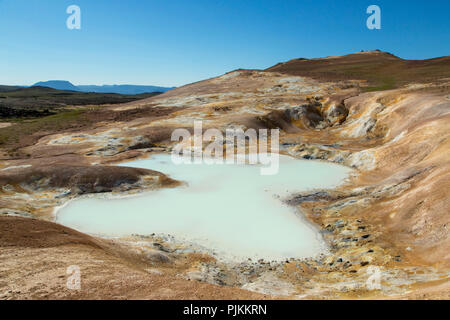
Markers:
123,88
57,84
115,88
381,70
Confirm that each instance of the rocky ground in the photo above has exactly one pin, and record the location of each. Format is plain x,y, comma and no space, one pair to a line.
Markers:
389,219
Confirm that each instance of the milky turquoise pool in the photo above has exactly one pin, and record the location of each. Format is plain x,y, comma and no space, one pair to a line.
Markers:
229,209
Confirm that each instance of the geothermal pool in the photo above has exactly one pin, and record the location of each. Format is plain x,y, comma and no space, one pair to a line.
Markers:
230,209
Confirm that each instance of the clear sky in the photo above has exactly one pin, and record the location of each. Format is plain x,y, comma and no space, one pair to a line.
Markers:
174,42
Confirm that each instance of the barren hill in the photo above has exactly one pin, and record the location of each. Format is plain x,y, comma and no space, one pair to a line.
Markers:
381,70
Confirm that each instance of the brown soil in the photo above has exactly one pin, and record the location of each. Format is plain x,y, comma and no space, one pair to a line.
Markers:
35,256
381,70
25,133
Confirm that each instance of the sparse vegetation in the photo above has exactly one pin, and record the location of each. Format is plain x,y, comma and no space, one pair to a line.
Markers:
386,83
25,131
37,111
35,102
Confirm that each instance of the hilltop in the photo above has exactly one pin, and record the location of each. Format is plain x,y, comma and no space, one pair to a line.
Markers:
381,70
57,84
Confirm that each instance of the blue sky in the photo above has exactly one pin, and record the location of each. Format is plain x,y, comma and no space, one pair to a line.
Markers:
177,42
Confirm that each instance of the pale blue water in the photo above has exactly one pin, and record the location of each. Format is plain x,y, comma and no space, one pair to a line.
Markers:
231,209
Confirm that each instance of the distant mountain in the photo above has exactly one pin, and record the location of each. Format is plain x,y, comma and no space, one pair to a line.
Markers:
120,89
57,84
123,89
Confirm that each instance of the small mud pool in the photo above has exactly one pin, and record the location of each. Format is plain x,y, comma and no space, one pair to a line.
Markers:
232,210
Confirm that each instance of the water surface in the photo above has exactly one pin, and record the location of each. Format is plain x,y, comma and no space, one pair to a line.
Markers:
231,209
